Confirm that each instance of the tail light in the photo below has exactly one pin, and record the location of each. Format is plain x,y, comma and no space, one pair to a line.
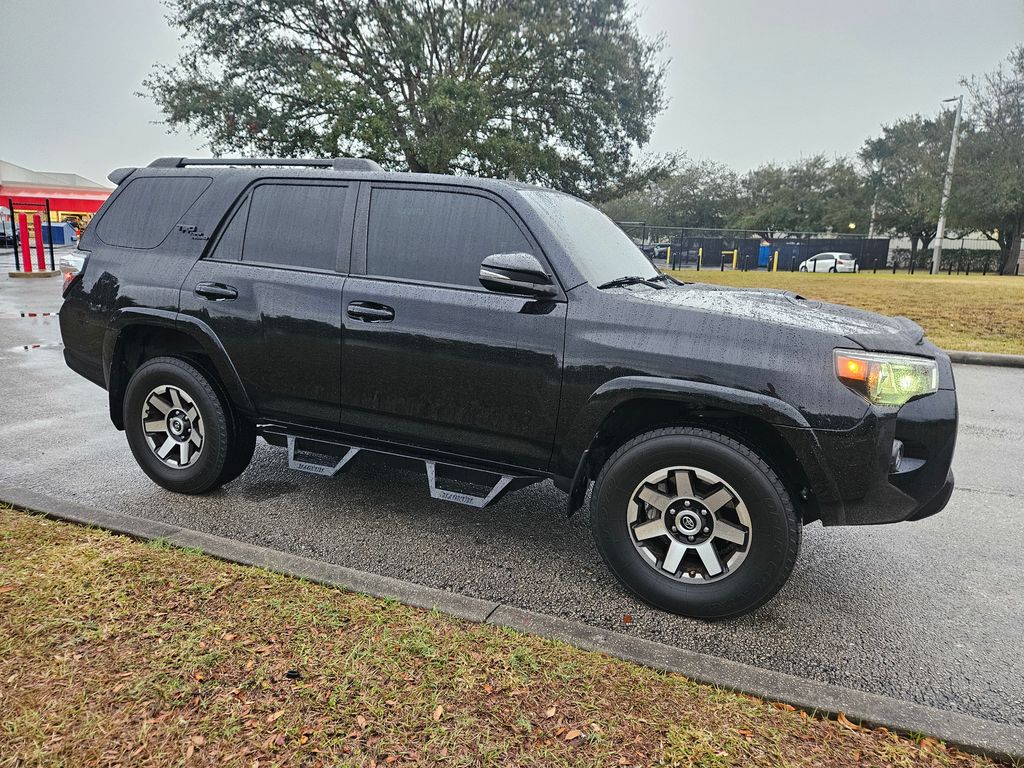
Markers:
71,267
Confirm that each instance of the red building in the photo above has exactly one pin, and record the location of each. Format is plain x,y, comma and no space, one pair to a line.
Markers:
72,198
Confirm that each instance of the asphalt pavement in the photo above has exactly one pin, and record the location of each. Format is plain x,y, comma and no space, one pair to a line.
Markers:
929,612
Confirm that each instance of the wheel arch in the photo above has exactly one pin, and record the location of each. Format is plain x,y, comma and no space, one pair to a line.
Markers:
137,336
629,407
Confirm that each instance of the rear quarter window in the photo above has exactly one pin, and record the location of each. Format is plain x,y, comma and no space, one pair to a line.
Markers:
145,211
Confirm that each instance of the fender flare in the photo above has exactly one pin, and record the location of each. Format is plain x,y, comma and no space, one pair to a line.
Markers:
199,331
576,448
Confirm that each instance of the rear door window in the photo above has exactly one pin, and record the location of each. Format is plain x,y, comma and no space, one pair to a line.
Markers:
437,237
146,210
293,225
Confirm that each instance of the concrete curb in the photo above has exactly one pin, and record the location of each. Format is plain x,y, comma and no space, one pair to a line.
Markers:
44,273
986,358
997,740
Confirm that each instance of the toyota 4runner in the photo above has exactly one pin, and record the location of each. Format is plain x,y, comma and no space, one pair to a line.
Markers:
502,334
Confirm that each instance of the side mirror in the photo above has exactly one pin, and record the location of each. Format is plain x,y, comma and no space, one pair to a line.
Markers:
519,274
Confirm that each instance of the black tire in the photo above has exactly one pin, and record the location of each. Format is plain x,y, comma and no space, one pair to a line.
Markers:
831,269
243,445
803,269
205,473
775,529
243,431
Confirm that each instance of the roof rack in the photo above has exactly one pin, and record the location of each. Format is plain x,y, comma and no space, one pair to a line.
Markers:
335,163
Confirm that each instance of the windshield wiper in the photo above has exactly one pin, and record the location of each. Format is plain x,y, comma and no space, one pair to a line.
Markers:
633,280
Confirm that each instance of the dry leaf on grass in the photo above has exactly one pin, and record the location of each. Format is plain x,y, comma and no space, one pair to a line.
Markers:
841,719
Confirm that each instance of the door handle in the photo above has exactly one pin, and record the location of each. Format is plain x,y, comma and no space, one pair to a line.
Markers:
216,291
370,312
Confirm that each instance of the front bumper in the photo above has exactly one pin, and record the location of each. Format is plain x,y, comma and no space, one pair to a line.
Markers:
852,483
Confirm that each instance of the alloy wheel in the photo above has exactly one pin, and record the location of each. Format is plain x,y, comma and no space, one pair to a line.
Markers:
689,524
173,426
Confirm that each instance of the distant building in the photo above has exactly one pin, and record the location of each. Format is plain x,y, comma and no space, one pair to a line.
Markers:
72,198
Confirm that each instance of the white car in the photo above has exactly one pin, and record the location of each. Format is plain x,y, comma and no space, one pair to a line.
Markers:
830,261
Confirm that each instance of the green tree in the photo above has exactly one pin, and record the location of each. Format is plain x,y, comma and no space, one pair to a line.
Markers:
700,194
560,92
988,193
906,167
813,195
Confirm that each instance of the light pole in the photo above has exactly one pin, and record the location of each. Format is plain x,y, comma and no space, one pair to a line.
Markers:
940,231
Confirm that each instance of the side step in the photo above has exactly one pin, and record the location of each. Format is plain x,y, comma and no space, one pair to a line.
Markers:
328,470
500,487
302,452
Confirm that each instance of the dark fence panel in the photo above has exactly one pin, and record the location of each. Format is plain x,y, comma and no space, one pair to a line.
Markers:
718,247
683,248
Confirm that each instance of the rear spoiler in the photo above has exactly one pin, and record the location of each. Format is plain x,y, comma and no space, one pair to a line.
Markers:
118,175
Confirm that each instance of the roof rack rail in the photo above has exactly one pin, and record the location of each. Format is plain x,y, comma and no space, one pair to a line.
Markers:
335,163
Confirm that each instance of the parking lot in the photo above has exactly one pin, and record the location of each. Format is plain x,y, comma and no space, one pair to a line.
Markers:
930,612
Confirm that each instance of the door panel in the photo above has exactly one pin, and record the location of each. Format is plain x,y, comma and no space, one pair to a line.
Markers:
463,371
271,291
282,333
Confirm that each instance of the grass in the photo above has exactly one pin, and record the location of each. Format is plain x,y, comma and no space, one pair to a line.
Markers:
977,314
119,653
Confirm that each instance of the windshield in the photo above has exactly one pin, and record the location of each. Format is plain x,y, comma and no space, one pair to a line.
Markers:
599,249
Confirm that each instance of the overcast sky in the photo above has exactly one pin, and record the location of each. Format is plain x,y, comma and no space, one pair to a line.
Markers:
749,80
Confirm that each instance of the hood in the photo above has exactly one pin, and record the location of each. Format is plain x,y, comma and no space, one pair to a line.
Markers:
870,330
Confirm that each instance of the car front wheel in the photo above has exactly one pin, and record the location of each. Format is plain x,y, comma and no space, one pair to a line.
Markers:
177,426
695,523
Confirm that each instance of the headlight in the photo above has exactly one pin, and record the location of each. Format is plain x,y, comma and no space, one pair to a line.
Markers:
886,379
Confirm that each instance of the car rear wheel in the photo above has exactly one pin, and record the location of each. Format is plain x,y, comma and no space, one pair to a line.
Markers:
177,425
695,523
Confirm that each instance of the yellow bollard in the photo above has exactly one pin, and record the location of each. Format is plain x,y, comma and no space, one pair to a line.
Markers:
700,257
735,255
775,265
668,255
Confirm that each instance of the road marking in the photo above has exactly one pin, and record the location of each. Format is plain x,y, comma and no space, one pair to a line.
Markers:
33,347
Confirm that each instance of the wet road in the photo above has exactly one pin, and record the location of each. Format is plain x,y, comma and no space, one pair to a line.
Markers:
931,612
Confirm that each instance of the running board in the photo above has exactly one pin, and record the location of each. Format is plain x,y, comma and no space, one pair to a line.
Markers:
437,472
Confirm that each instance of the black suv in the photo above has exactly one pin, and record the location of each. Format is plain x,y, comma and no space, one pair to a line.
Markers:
502,334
